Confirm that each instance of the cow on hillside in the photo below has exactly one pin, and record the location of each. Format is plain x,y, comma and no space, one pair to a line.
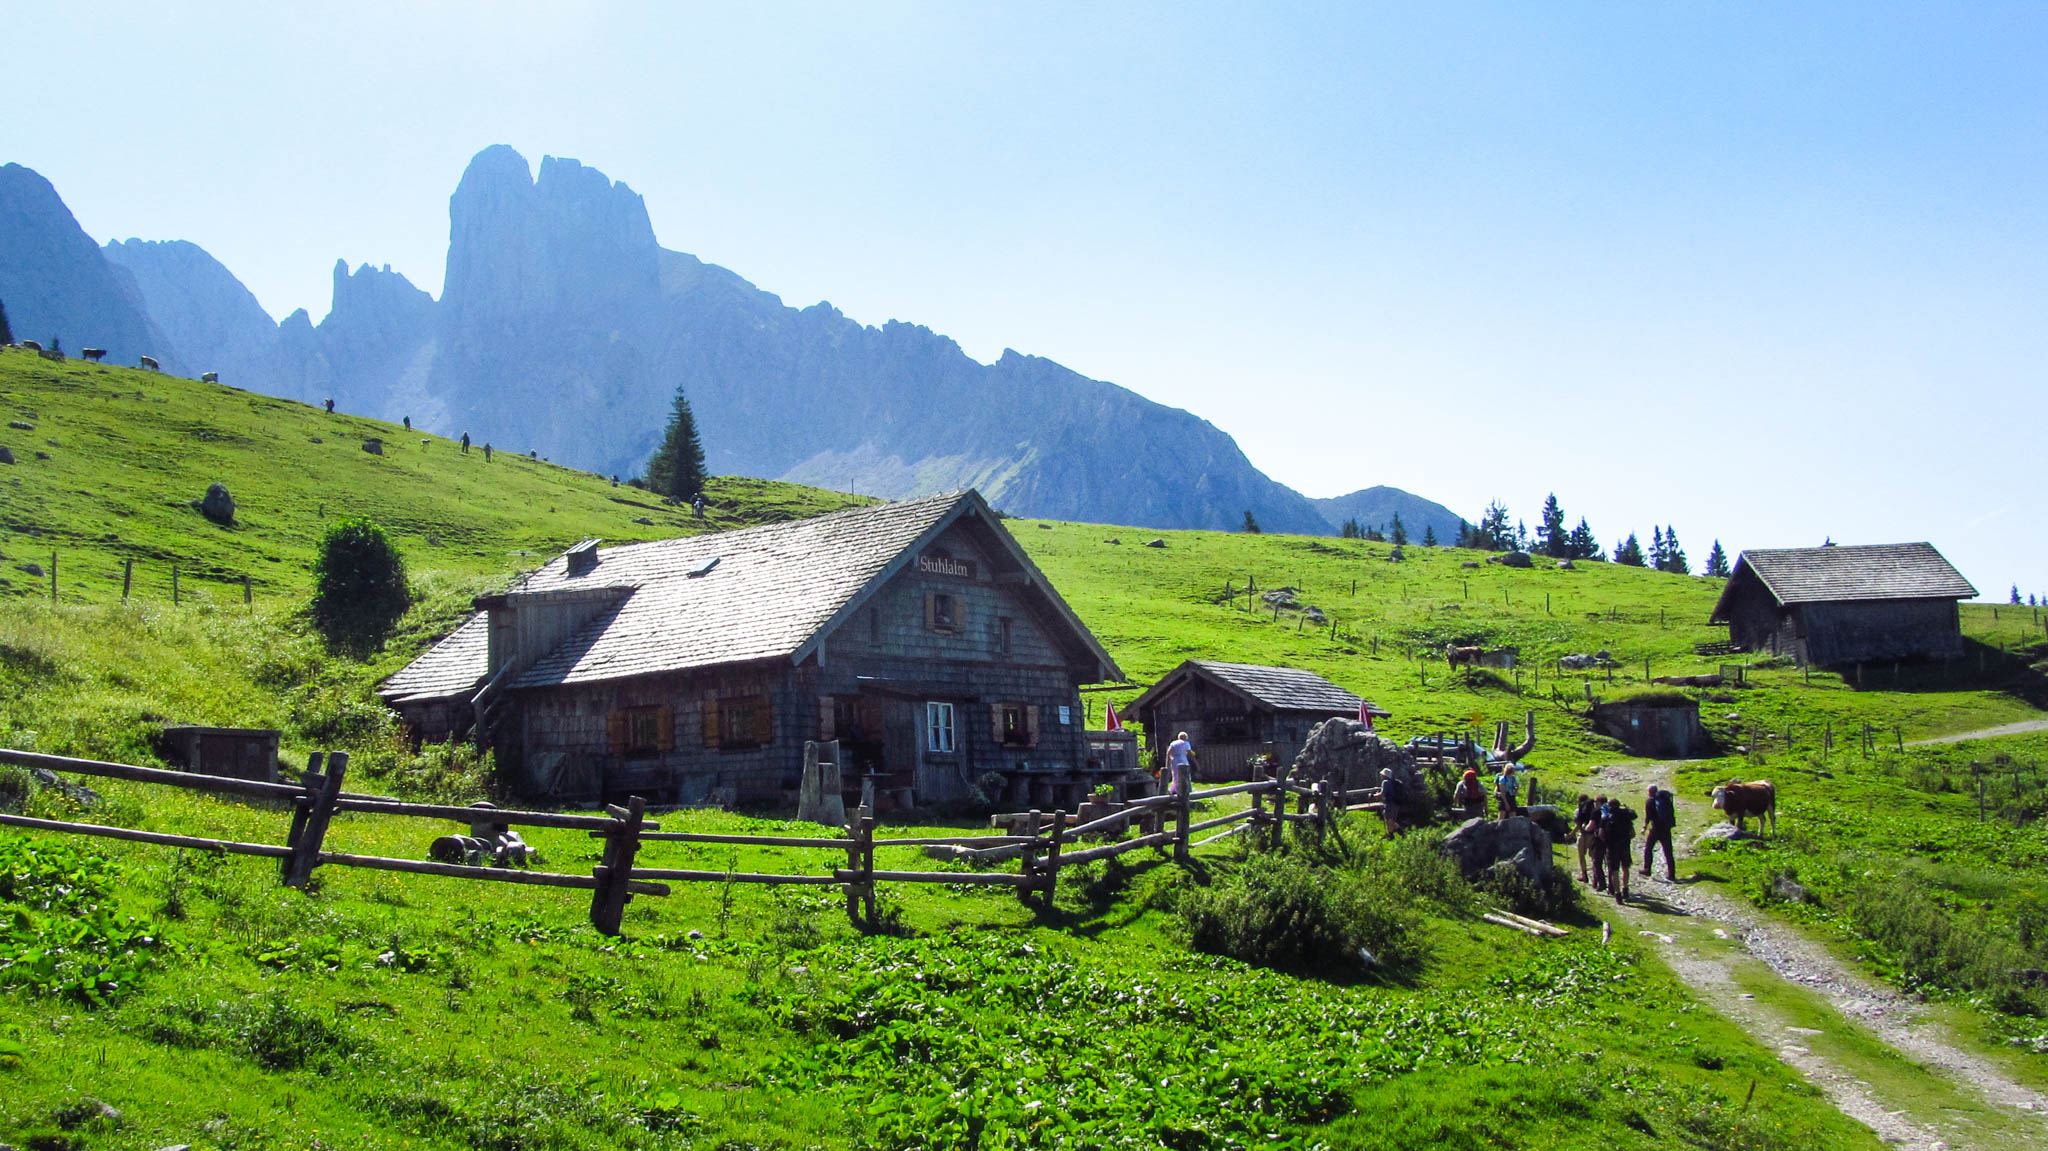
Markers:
1740,801
1463,656
210,378
147,362
94,354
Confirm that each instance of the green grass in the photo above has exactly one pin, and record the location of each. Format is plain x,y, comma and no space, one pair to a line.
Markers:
402,1011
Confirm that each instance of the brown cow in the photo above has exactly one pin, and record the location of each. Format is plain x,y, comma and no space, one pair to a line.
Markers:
1740,801
1463,656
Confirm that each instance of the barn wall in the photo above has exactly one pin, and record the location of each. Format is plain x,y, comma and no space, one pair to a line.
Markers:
1227,729
1756,623
1875,630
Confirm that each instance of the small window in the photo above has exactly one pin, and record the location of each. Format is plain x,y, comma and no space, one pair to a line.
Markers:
942,612
739,722
1002,635
938,728
636,731
644,733
1014,724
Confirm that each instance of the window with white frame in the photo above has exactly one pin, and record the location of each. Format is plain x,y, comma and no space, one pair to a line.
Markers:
938,728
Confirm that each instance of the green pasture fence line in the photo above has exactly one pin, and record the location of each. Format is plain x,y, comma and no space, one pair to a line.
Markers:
177,590
1041,845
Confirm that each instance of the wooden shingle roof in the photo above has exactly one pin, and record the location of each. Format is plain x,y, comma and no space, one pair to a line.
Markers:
455,666
1278,688
1848,572
763,593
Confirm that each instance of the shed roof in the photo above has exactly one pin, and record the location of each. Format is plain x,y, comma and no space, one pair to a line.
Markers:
763,593
454,666
1278,688
1848,572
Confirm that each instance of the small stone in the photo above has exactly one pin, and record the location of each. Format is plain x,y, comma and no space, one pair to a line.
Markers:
34,569
21,425
6,457
42,455
643,520
87,1110
374,446
693,935
1155,543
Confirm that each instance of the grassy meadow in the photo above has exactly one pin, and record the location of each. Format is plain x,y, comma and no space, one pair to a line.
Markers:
212,1007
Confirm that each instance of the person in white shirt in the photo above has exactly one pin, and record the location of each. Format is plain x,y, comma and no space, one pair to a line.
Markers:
1180,756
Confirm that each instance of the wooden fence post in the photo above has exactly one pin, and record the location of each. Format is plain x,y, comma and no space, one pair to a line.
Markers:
248,597
53,577
853,865
311,815
867,864
1027,859
615,873
1052,856
127,576
1180,821
174,586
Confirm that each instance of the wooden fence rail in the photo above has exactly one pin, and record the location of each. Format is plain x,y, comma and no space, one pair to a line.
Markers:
1042,850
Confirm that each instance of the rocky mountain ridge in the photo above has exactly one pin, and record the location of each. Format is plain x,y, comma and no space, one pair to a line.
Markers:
564,328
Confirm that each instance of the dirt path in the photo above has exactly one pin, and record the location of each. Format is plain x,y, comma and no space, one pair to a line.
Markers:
2021,728
1930,1094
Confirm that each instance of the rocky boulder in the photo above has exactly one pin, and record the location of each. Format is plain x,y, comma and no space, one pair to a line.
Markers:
1349,755
218,505
1478,844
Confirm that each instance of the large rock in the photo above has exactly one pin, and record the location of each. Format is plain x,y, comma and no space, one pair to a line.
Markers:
1478,844
1349,755
218,505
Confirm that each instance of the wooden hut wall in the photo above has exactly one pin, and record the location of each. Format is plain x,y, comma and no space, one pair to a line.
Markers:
1866,631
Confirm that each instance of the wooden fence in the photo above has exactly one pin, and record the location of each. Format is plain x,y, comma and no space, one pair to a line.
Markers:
1047,842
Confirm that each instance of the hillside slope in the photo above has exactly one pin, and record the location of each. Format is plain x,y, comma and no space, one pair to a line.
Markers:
112,460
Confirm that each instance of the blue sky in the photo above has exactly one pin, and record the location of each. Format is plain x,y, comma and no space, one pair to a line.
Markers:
1766,273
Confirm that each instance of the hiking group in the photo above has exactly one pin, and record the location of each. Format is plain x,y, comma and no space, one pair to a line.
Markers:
1607,828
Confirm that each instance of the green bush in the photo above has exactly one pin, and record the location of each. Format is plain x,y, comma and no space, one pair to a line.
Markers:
1417,865
1280,911
1554,896
15,785
1936,948
359,587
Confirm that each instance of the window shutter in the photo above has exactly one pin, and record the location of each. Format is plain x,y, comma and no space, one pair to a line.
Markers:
1031,726
617,729
709,710
995,724
665,728
828,719
764,721
931,611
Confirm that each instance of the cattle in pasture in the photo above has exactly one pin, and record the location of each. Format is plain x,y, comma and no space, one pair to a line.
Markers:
1463,656
147,363
210,378
1740,801
32,345
94,354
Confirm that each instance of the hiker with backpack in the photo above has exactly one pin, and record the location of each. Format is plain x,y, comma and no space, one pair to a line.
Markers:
1392,796
1469,796
1662,815
1617,834
1586,821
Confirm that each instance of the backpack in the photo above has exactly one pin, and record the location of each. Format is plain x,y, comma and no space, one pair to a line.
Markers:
1662,813
1391,792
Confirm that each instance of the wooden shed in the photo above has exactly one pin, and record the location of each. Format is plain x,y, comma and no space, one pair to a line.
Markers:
239,752
1837,605
916,634
1235,712
1663,726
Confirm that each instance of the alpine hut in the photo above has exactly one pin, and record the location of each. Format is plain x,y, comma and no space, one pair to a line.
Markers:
1236,712
1837,605
917,634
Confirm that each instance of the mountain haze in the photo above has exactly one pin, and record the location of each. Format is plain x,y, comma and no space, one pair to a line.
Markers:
565,328
57,285
1376,507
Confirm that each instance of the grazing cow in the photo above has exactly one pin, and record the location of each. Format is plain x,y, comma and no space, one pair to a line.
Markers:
1463,656
1740,801
94,354
32,345
210,378
147,362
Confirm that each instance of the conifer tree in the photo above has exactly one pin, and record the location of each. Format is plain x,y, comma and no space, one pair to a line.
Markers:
2015,595
1349,529
1551,538
6,332
1717,562
677,469
1629,552
1581,545
1375,535
1429,535
1674,556
1397,533
1656,556
1493,532
1251,522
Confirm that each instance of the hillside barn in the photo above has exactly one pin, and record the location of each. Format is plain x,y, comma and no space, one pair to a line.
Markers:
1840,605
1236,712
917,634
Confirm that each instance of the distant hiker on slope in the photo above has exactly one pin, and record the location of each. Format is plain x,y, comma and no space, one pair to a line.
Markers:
1618,832
1586,821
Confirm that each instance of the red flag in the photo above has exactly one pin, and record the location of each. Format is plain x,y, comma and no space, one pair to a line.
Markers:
1365,714
1114,723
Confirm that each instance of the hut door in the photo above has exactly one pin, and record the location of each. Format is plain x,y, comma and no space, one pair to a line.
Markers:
899,737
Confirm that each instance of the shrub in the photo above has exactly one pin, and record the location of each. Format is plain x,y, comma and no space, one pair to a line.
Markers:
1279,911
359,587
15,785
1547,899
1416,865
1935,948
